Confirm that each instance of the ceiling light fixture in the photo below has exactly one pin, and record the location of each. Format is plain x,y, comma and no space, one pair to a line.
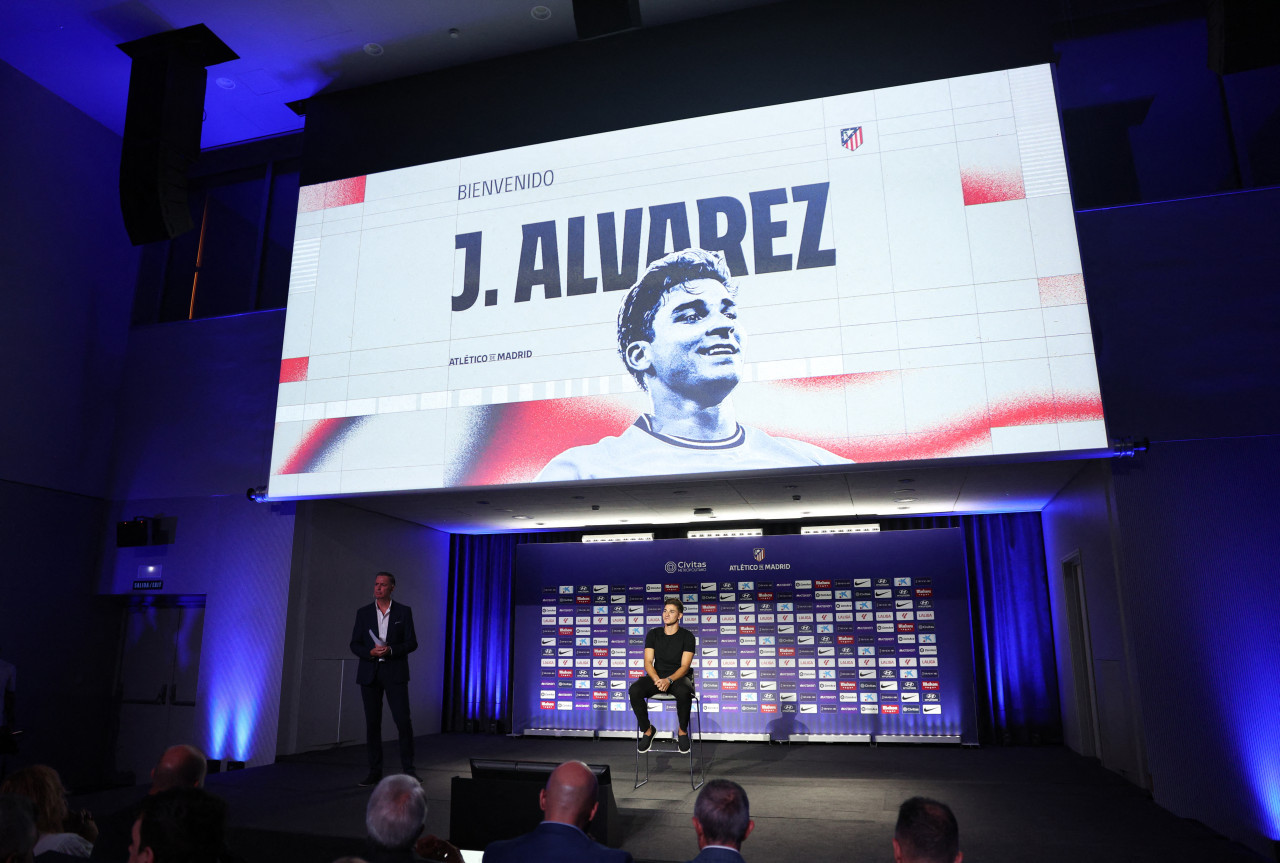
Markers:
619,537
454,32
373,49
540,13
905,499
523,516
226,83
719,534
839,528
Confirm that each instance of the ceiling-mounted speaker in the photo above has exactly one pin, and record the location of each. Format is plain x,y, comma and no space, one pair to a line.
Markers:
1243,35
162,128
595,18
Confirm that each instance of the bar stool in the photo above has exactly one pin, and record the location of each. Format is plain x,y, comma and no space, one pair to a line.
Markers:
694,735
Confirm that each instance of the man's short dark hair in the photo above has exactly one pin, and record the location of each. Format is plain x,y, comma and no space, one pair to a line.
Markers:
927,831
388,575
723,811
397,813
674,600
640,307
183,825
17,827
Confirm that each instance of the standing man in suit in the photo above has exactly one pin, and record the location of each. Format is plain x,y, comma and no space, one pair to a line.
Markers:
382,639
722,820
568,804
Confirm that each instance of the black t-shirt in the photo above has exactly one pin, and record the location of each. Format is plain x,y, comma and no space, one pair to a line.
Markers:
669,650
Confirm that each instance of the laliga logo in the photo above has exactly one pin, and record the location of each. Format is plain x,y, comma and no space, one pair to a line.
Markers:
671,566
758,554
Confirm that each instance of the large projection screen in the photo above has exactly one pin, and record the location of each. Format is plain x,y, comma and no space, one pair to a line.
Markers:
847,634
908,286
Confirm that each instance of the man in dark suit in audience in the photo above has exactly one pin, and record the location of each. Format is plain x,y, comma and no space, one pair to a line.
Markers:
568,804
722,820
181,766
926,832
382,638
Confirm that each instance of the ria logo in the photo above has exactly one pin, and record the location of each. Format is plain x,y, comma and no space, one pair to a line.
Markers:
758,554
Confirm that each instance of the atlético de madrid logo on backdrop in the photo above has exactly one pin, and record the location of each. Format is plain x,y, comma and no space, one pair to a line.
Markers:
851,138
758,554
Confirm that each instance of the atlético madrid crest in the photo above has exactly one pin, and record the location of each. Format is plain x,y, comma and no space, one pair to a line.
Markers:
757,553
851,138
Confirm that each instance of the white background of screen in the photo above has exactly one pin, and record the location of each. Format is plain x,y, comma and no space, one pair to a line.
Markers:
940,306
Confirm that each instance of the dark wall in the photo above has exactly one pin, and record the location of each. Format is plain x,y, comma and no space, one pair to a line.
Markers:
762,56
66,269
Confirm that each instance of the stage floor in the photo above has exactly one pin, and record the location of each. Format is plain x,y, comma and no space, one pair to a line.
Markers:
811,802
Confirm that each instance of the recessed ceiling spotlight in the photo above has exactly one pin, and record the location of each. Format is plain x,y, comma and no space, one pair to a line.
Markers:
579,497
904,507
905,491
906,480
373,49
905,499
680,491
522,516
226,83
454,32
539,523
483,502
791,486
540,13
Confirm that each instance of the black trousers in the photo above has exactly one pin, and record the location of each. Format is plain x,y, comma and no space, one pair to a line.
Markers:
398,700
681,688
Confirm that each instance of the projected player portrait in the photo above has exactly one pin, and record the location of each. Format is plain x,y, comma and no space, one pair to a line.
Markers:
679,337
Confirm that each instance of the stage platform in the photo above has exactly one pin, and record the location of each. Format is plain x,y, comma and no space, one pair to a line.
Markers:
810,802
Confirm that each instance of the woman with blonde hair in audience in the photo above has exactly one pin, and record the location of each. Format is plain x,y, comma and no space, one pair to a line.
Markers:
59,830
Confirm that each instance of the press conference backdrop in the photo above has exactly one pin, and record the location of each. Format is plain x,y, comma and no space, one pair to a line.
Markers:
833,634
910,287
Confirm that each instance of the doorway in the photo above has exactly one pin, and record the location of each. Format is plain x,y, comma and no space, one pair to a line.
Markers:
157,677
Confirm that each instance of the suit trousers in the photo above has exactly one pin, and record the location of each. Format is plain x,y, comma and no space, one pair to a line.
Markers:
398,700
681,688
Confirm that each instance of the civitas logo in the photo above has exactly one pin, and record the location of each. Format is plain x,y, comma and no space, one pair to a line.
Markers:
685,566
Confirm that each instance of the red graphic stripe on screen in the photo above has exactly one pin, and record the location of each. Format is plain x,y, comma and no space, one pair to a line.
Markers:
294,369
513,442
339,193
987,185
342,193
965,432
317,443
521,438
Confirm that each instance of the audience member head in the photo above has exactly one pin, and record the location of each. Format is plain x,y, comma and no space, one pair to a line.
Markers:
181,766
40,785
396,813
571,795
722,814
181,825
926,832
17,829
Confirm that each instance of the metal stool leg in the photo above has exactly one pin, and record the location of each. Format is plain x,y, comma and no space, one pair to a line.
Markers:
640,781
702,764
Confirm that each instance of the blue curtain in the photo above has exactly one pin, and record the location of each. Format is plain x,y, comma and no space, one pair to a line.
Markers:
478,633
1015,672
1016,682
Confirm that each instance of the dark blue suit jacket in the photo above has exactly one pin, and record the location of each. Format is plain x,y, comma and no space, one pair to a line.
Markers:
717,855
400,638
552,842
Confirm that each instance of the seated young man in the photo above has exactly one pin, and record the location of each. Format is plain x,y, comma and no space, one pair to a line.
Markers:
668,653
